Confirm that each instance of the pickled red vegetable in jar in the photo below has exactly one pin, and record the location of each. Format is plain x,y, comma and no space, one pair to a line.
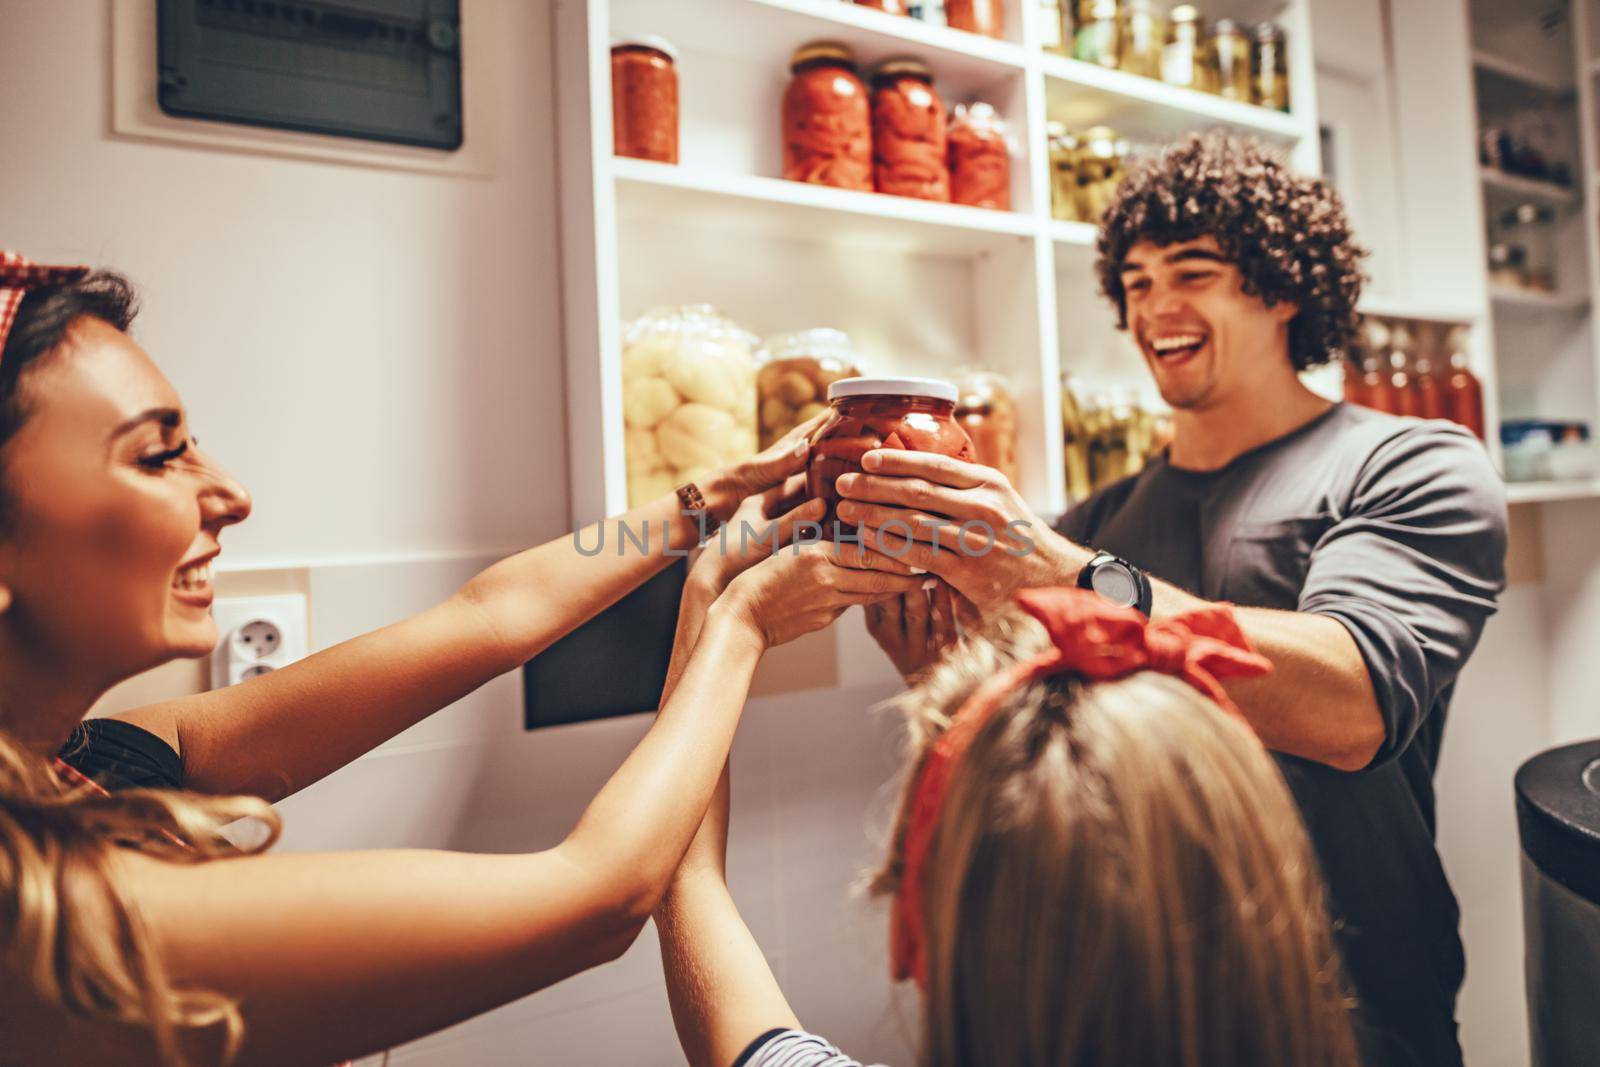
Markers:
915,414
908,132
980,158
827,119
987,17
644,100
796,370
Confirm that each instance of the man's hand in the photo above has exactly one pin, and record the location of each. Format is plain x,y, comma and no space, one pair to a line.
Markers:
963,522
916,629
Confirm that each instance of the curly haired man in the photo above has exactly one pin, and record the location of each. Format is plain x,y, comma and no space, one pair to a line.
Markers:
1365,551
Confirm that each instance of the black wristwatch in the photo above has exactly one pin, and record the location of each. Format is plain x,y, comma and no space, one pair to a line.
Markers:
1118,581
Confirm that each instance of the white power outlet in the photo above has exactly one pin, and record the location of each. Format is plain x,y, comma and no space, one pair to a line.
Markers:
259,634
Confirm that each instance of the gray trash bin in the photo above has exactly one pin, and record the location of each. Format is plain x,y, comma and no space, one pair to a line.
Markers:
1558,819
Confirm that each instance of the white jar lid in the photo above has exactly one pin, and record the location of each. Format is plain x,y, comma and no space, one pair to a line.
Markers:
933,388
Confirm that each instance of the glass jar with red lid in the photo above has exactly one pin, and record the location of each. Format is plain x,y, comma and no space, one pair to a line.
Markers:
915,414
908,132
827,119
644,99
980,157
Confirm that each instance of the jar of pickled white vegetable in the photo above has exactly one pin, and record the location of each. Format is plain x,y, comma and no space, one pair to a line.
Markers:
796,370
688,397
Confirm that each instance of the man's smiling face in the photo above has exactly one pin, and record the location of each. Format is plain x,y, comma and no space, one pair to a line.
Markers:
1203,336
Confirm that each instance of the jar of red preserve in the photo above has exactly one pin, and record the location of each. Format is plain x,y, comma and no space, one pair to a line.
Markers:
908,132
916,414
644,99
980,157
987,17
827,119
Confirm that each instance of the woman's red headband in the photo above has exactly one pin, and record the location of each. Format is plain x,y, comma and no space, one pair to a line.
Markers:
1092,639
17,276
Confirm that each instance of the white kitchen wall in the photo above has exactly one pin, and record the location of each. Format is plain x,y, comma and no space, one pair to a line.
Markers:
375,354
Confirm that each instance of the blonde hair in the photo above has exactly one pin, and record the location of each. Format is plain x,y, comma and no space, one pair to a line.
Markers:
66,927
1119,876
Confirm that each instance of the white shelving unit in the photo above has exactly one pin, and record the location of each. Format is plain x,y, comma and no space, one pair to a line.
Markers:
921,287
1515,187
1545,347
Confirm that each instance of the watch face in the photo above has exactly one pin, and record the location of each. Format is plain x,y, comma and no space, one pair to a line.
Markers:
1116,584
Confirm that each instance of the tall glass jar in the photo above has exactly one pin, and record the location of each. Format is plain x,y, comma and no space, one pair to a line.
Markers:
1229,53
1463,393
796,370
1269,67
909,149
1184,60
916,414
644,100
1144,32
688,397
1100,163
1064,150
1055,26
1097,38
980,157
1532,227
1425,376
987,410
827,119
987,17
1076,429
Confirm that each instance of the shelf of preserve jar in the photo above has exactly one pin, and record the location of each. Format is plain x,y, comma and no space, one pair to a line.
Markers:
720,204
1504,75
1509,298
1384,306
764,34
1072,234
1524,189
1082,95
1550,492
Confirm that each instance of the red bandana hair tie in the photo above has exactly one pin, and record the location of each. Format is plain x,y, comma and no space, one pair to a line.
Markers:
17,276
1094,640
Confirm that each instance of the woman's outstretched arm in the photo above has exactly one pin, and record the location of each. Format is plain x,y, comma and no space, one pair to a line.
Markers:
722,991
337,955
276,734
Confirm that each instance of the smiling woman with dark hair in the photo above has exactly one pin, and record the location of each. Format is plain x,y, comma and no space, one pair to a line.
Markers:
131,932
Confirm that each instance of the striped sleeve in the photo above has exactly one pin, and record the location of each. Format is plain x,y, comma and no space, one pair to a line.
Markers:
792,1048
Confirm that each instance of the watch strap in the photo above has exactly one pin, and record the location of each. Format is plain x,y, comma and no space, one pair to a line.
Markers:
693,503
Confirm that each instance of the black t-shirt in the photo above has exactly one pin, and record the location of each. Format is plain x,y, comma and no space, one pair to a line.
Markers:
1397,529
118,755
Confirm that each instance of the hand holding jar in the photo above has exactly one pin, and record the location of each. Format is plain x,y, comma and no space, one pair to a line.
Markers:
915,414
961,522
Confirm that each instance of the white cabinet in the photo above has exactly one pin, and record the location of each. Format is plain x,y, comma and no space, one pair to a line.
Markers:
921,287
